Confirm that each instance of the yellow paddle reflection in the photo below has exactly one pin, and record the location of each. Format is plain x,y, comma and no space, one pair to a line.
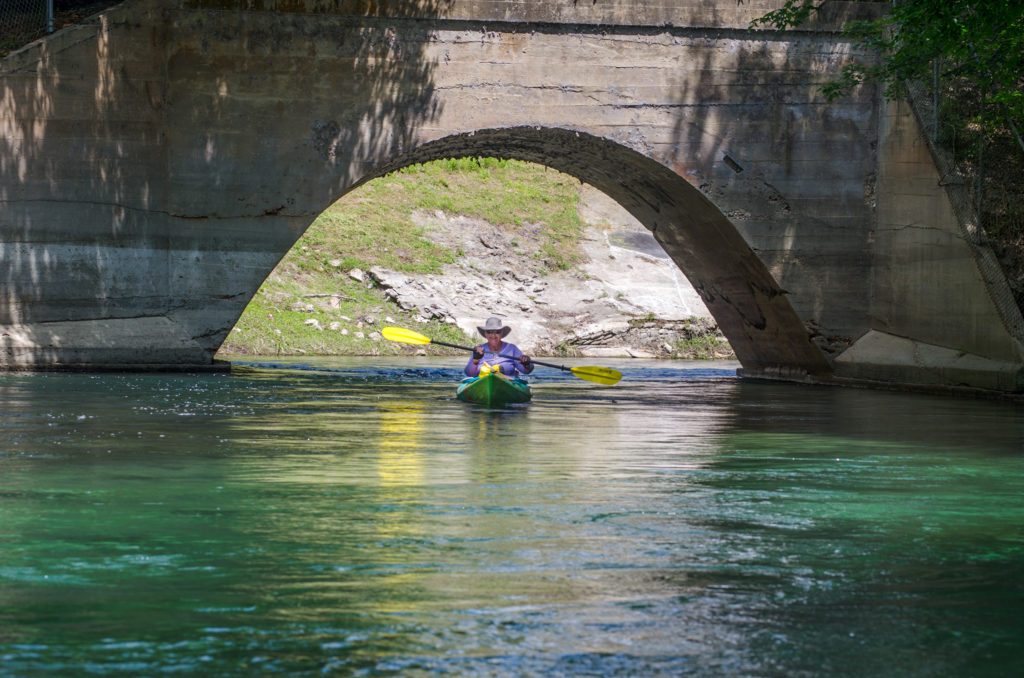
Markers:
402,428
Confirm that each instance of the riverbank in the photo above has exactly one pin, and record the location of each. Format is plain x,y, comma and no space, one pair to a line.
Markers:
439,247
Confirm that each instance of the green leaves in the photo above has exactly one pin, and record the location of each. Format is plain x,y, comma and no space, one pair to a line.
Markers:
978,40
792,14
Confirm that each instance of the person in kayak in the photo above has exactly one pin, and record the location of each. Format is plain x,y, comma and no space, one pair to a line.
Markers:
493,330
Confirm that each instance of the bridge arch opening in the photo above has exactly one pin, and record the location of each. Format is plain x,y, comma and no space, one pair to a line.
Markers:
748,305
446,241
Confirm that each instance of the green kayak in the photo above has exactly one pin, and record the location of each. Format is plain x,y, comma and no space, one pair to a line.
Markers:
494,390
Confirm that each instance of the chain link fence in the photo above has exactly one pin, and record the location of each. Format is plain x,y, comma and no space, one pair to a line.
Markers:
22,21
983,146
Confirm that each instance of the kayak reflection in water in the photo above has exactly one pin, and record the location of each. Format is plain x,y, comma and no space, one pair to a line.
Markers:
497,353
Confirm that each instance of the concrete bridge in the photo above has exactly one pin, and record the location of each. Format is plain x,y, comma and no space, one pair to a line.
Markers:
157,161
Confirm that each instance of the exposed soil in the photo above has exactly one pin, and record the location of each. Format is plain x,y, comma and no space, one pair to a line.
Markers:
628,298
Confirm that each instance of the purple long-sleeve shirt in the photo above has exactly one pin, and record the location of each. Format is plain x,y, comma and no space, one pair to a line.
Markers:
508,366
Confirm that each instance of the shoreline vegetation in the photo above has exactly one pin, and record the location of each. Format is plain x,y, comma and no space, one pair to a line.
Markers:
319,300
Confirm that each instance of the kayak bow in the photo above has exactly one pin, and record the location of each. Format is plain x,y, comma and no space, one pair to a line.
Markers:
494,389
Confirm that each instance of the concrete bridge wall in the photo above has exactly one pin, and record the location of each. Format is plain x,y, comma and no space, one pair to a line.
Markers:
159,160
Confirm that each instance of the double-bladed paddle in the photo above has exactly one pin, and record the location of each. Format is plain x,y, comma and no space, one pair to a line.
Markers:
598,375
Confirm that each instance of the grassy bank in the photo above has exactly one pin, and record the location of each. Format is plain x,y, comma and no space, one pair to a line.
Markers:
311,303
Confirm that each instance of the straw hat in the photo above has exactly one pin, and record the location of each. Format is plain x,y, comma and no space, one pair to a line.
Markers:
494,324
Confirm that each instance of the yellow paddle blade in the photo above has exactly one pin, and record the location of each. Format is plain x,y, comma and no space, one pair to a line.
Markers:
404,336
600,375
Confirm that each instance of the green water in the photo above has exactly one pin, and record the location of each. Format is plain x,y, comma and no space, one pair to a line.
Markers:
353,518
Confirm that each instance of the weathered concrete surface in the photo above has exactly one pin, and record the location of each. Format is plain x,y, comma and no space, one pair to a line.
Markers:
158,161
938,298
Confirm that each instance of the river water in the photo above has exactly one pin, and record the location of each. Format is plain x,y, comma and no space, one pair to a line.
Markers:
350,517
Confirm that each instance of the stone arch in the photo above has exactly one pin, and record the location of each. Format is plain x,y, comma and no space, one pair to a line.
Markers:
751,309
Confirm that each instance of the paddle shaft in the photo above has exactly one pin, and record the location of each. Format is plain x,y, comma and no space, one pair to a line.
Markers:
500,355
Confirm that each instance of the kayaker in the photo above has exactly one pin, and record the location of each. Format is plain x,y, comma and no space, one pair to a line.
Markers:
494,352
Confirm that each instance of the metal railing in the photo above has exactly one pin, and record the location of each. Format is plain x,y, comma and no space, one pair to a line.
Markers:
22,21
